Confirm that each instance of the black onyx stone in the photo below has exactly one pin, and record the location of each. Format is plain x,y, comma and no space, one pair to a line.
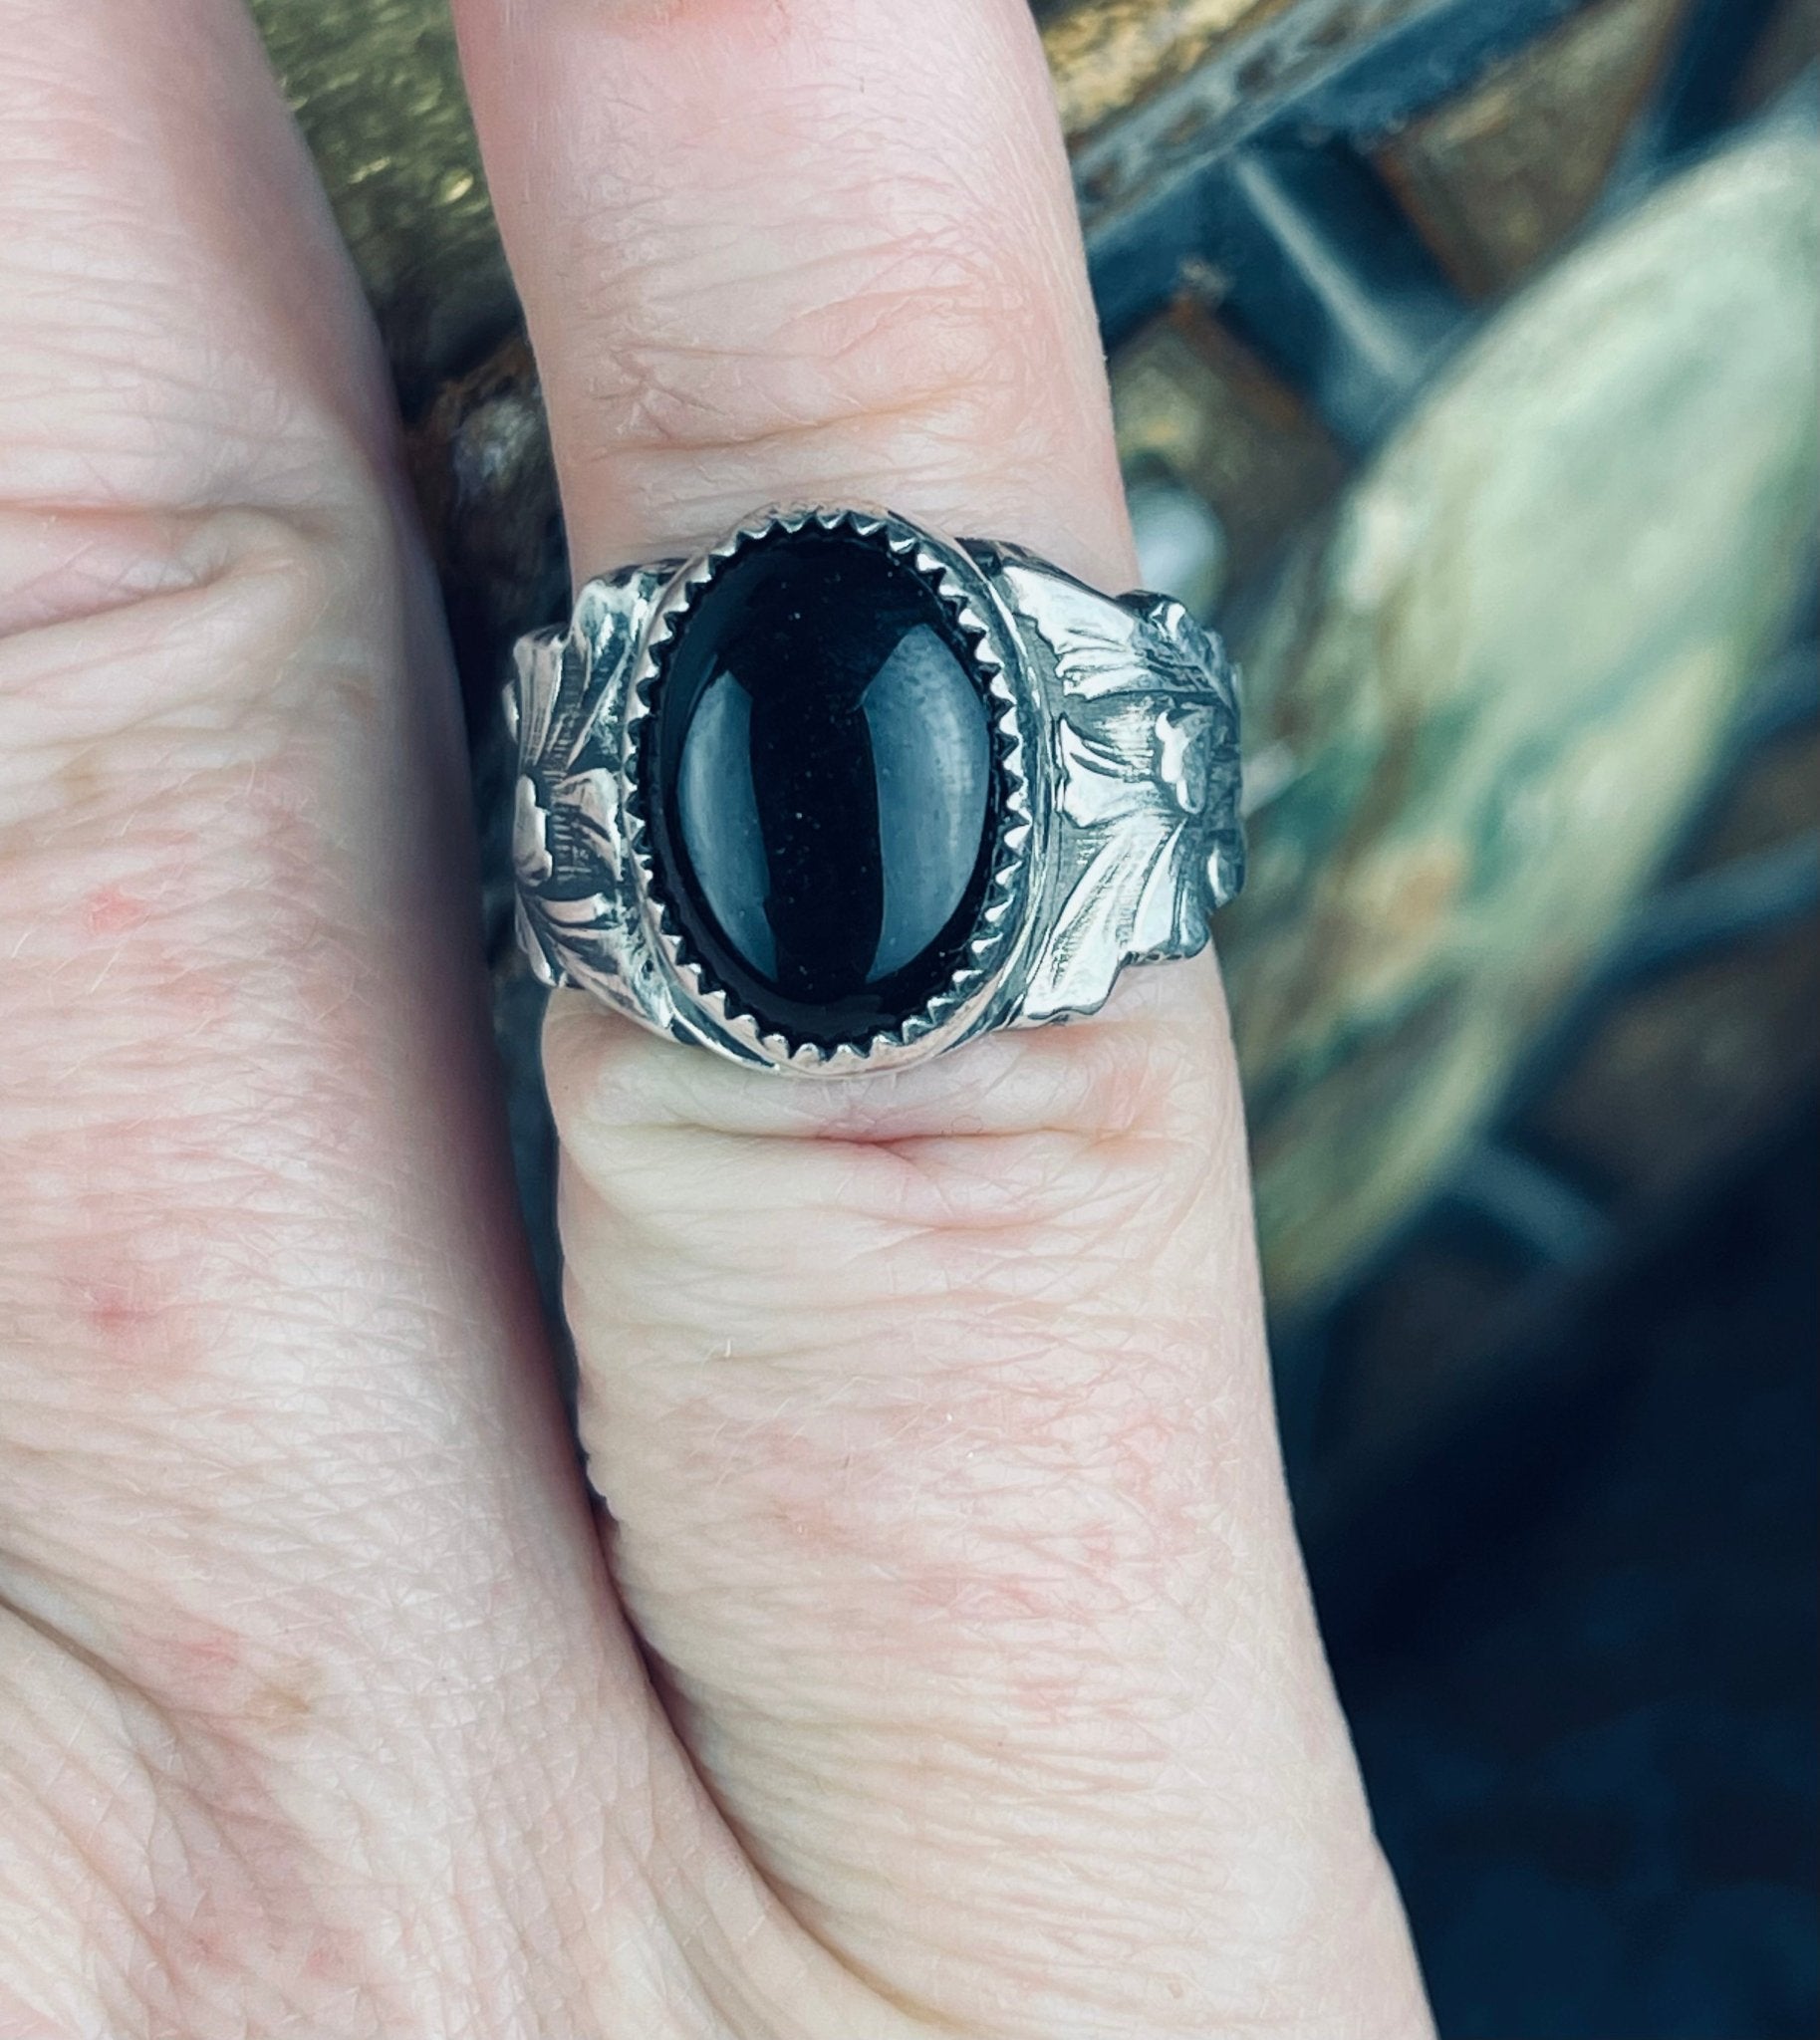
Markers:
819,785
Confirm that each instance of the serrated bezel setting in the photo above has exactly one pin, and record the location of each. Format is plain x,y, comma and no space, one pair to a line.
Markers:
967,1001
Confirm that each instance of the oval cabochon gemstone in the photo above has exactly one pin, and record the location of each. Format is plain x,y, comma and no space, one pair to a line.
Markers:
820,785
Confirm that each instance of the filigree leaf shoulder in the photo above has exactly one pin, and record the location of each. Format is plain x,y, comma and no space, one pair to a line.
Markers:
568,688
1146,780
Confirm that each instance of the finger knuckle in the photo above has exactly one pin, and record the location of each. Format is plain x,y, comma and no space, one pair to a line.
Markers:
852,350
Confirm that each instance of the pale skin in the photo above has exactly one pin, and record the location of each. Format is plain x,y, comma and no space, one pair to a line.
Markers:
938,1660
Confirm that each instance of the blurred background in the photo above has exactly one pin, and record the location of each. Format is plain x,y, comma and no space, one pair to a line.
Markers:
1464,358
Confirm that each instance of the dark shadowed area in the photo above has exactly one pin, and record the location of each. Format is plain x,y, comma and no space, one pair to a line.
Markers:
1584,1695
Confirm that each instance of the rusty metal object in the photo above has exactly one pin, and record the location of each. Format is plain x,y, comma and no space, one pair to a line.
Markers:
1502,674
1497,177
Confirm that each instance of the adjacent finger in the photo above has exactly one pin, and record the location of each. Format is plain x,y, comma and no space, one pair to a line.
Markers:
293,1566
932,1412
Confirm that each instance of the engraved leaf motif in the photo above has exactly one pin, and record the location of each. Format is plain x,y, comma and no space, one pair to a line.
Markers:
565,705
1147,768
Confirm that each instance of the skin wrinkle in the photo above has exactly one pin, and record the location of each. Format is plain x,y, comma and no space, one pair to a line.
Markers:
157,1910
718,1273
1097,1562
118,192
123,761
1115,1076
57,1850
390,1901
269,448
893,352
58,562
924,1188
780,1453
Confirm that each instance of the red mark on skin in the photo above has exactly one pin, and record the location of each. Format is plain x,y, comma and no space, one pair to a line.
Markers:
190,1664
173,973
110,912
126,1310
205,1673
117,1312
187,993
207,1655
234,1895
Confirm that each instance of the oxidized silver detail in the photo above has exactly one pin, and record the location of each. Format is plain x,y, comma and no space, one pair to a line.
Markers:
1116,723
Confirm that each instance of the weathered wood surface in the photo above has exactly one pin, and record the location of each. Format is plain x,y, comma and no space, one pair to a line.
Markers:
1502,676
1499,176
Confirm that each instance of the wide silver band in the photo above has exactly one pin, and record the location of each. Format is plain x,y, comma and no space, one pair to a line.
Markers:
1118,725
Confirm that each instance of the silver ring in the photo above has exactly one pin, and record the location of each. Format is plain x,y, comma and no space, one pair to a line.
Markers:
840,793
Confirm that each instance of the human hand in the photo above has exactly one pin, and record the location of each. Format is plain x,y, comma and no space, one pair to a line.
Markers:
940,1662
